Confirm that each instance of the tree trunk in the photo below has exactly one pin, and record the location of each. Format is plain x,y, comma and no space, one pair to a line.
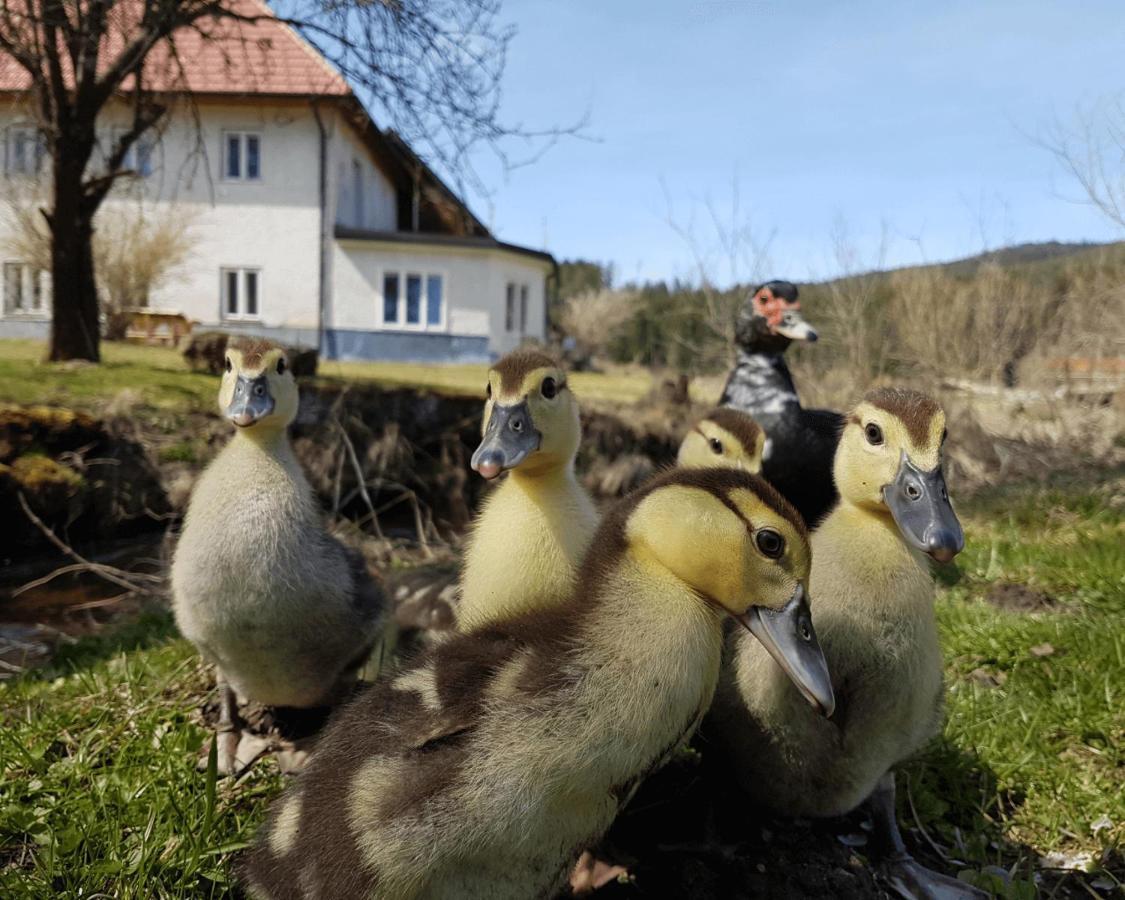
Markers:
74,318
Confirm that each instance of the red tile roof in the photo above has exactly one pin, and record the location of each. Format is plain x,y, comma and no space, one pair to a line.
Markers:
220,56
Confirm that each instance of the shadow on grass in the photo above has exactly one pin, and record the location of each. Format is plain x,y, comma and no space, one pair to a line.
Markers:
691,834
153,626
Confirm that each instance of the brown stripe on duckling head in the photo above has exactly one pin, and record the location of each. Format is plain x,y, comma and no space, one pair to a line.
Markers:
738,423
252,349
517,365
608,543
914,409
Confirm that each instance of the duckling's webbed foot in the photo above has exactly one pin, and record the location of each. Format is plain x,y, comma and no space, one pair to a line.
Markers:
909,879
904,875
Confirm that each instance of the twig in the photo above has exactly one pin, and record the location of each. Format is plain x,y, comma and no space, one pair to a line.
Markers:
918,822
111,574
360,479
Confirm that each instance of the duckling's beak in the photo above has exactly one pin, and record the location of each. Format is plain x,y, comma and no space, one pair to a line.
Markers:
790,638
920,505
794,327
252,401
509,439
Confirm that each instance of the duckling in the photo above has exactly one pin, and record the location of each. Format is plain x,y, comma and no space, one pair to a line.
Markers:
725,437
801,442
531,533
874,613
485,769
285,612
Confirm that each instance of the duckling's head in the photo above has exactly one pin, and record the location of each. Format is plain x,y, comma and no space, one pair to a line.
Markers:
889,459
738,544
258,393
771,319
724,437
530,417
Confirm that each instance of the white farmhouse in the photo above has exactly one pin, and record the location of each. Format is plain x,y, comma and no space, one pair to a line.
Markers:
310,225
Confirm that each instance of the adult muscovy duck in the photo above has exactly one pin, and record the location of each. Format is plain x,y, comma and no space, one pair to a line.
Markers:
800,443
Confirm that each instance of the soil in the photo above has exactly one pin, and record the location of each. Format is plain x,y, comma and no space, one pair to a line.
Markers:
1014,597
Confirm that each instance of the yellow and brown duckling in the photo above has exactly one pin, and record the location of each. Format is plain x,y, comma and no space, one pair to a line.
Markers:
485,769
725,437
285,611
875,618
529,538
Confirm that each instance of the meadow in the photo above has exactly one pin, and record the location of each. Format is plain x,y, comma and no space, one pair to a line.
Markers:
1023,791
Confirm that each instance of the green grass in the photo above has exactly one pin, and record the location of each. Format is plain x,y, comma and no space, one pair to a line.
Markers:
99,791
162,382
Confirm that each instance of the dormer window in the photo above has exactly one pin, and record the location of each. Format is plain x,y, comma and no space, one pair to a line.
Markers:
242,156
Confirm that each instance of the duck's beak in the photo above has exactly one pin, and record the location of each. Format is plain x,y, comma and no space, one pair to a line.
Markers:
794,327
252,401
919,502
509,439
790,638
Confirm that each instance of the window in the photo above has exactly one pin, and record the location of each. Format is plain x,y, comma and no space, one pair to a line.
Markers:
23,289
240,293
523,308
414,300
357,191
433,300
138,157
390,299
510,308
23,150
242,156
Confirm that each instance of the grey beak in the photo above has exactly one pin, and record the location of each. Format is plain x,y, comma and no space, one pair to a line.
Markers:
794,327
790,638
920,505
509,439
252,401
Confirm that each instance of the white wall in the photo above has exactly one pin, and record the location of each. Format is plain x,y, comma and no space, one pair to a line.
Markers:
271,224
475,282
378,209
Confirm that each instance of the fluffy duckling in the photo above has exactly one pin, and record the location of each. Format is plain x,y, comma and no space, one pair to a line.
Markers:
529,538
725,437
484,770
285,612
874,614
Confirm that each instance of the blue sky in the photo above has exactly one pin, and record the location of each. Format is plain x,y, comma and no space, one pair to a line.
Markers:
916,116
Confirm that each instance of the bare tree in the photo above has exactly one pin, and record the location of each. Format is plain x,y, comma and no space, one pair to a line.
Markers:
853,309
729,249
593,317
1091,150
137,248
433,66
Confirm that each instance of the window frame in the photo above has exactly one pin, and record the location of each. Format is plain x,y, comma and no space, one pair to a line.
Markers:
30,286
224,295
243,135
524,294
403,274
39,150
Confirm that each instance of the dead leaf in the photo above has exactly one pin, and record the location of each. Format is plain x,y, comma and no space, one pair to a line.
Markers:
1041,650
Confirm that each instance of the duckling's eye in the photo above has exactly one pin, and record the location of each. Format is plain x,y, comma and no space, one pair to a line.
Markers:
716,446
229,366
770,543
873,433
281,366
549,388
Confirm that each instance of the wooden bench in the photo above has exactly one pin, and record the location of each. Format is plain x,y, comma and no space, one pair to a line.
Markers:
152,327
